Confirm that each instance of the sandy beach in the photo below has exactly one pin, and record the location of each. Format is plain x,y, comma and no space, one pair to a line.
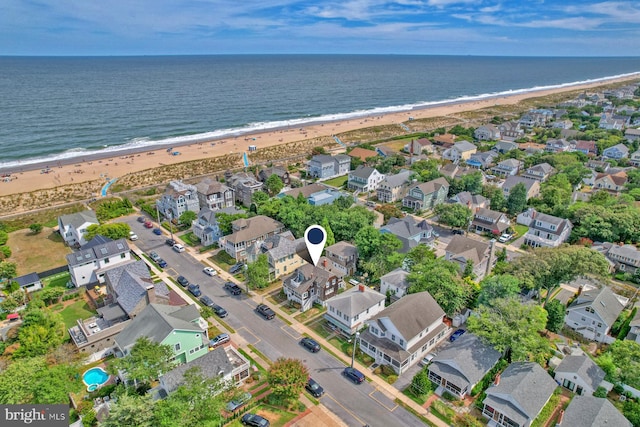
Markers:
95,168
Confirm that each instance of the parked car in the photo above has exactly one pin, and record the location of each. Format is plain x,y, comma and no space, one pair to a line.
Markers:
206,301
157,231
161,263
458,231
133,236
265,311
220,339
236,268
314,388
154,256
194,289
233,288
178,248
505,238
354,375
148,224
427,359
142,219
310,344
183,281
169,242
457,334
254,420
239,402
219,311
210,271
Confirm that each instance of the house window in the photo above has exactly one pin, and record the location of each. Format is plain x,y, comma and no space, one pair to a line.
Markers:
599,325
393,337
401,342
177,347
583,319
106,261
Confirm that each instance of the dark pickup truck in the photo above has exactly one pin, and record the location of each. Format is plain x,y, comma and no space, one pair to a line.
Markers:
265,311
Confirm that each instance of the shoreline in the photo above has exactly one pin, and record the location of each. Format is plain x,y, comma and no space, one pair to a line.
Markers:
106,165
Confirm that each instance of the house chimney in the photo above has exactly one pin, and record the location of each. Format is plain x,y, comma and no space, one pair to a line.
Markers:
324,263
560,417
496,381
151,294
361,288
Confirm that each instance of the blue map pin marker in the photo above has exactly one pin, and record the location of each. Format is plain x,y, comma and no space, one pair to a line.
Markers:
315,237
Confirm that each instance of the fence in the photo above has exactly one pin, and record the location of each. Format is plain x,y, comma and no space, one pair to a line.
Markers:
51,272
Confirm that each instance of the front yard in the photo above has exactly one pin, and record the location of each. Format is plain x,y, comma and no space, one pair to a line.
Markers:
337,182
37,252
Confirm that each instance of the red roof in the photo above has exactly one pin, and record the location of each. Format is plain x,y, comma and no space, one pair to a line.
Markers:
13,316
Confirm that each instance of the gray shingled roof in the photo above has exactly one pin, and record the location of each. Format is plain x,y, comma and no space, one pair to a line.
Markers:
512,181
130,282
215,363
157,321
465,197
307,190
465,361
354,301
464,146
542,167
396,180
526,384
255,227
211,186
104,250
412,313
27,279
603,301
343,249
78,218
589,411
363,172
625,251
433,185
583,367
469,249
397,277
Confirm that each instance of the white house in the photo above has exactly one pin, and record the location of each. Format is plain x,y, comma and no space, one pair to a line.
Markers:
90,263
617,152
593,313
546,231
403,333
177,199
364,179
579,374
350,310
73,226
206,226
29,282
395,283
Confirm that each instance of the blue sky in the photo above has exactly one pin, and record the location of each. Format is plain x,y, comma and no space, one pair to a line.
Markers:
455,27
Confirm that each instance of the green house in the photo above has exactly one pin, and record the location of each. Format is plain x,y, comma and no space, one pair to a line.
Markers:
182,328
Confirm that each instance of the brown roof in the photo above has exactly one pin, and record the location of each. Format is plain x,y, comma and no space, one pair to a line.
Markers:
446,138
306,191
470,249
619,178
253,228
362,153
210,186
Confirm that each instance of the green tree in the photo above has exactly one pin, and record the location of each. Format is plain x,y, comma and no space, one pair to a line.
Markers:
468,270
555,315
420,383
497,286
389,210
115,231
556,193
225,220
187,218
418,254
36,228
367,241
385,259
40,332
513,328
8,270
517,199
259,197
625,358
146,361
454,215
472,182
132,410
274,184
287,378
442,280
331,239
258,273
495,195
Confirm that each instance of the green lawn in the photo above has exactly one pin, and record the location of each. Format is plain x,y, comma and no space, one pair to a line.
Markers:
521,230
190,239
337,181
223,260
77,310
276,416
57,281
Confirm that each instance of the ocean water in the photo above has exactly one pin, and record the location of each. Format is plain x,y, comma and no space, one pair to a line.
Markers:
64,107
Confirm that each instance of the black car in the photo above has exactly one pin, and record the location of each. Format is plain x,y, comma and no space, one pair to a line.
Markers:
254,420
236,268
169,242
195,290
221,312
310,344
233,288
265,311
183,281
314,388
354,375
206,301
141,219
458,231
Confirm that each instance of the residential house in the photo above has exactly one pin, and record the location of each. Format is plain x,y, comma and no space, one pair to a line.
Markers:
343,257
445,140
349,311
394,187
223,362
306,190
557,145
311,284
625,257
282,251
503,147
462,250
88,265
609,122
540,172
324,166
532,186
634,331
426,195
29,282
214,195
385,151
206,226
461,365
362,153
531,148
587,147
454,170
245,232
177,199
510,131
617,152
545,231
598,165
418,146
507,167
488,221
533,119
316,194
632,134
244,186
580,374
72,227
395,284
518,395
562,124
487,132
461,150
281,172
403,333
410,232
612,182
364,179
593,312
472,201
634,159
482,160
181,328
590,411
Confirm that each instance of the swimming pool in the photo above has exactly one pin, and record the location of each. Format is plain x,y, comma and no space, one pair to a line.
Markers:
95,377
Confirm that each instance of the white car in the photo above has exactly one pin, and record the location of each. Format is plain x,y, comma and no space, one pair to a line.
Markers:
133,236
178,247
210,271
505,238
427,359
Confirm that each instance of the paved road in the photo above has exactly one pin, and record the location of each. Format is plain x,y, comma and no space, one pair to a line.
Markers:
356,405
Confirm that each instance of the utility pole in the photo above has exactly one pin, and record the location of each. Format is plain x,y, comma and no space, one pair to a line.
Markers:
355,346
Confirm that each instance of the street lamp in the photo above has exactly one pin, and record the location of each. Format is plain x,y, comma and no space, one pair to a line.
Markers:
355,346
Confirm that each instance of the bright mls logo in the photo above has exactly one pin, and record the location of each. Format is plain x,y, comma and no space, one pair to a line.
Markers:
34,415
